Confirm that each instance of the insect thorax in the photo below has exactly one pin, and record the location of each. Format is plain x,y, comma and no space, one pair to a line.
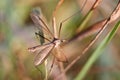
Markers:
57,42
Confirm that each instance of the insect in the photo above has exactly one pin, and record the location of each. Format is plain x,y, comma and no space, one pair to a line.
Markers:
43,51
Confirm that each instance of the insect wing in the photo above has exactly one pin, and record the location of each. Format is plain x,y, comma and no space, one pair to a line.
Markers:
59,54
38,48
42,55
41,25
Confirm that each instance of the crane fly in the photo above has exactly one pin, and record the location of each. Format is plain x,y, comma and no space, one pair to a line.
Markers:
43,51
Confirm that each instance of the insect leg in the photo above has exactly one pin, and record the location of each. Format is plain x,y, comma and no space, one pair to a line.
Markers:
71,17
51,67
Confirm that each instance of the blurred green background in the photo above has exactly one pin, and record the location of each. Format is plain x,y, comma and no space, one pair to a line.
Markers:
17,34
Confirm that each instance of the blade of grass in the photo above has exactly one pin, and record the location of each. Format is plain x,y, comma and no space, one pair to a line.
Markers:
85,21
97,52
88,16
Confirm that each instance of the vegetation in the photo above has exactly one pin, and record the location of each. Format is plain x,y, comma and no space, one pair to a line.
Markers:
91,34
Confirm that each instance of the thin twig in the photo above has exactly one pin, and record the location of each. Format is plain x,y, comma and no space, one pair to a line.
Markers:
56,8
